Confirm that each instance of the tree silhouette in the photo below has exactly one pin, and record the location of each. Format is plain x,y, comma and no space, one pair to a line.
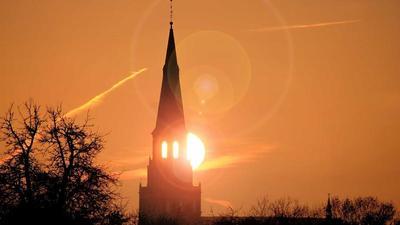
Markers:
20,167
83,189
288,211
261,208
49,176
288,207
363,211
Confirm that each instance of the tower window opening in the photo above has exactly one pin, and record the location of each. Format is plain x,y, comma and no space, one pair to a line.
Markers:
164,150
175,148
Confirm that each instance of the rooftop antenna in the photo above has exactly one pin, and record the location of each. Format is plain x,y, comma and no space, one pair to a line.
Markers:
171,22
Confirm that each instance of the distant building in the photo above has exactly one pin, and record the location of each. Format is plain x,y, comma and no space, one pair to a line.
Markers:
328,209
170,193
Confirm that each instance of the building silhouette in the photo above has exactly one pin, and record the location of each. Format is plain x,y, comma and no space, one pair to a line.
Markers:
328,209
170,193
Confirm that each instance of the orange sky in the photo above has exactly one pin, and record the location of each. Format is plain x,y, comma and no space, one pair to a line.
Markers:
292,98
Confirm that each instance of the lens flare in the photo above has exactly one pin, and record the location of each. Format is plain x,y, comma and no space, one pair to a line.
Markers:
195,150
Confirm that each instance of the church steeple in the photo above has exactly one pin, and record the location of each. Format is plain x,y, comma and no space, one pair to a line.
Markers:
170,110
328,209
170,192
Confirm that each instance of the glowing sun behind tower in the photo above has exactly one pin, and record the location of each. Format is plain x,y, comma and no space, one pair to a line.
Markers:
195,150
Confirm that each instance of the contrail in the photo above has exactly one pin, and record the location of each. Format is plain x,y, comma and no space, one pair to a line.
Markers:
96,100
302,26
223,203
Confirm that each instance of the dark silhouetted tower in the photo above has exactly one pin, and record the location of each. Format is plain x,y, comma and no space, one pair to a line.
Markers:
170,192
328,209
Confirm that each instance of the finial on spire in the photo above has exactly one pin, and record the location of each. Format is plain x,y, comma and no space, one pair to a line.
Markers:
171,14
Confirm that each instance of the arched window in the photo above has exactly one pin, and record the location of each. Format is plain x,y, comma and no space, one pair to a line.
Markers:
175,149
164,150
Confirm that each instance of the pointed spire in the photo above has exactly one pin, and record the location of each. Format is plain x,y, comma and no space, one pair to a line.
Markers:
170,58
328,209
170,110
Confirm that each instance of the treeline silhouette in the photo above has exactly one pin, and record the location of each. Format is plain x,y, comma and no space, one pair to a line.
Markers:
48,174
288,211
356,211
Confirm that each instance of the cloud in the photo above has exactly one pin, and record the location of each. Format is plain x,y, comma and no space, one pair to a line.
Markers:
133,174
220,162
219,202
128,167
304,26
128,161
98,99
230,154
234,153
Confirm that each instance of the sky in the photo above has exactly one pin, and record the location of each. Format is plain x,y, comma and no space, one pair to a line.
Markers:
291,98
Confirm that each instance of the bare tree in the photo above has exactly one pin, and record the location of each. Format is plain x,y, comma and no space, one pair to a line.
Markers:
230,216
20,137
83,188
288,207
48,174
317,212
261,208
363,211
396,219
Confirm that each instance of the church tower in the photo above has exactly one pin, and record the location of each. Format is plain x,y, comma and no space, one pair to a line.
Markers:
170,193
328,209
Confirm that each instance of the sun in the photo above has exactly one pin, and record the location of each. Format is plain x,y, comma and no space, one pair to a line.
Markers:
195,150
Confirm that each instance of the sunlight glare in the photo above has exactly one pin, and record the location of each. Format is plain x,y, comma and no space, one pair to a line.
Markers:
175,150
164,150
195,150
